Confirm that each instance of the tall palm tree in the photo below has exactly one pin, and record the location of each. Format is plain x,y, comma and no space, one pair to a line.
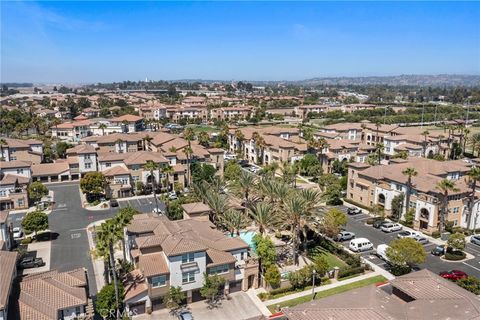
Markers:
189,135
465,137
295,217
409,172
244,185
168,170
379,148
122,219
107,237
425,136
240,137
218,203
233,220
474,175
151,167
475,143
102,127
259,146
445,186
145,139
264,216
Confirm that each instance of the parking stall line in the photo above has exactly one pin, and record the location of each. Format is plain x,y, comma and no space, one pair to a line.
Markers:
468,264
472,249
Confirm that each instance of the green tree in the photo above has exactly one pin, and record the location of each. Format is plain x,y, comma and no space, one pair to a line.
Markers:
204,139
93,184
151,166
202,172
35,221
397,206
409,217
406,251
174,210
106,301
471,284
264,216
232,170
36,190
212,288
244,185
233,220
272,276
265,250
320,265
61,148
457,241
445,186
174,298
409,172
333,220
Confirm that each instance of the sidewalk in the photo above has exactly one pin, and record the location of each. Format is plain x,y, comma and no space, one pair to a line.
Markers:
321,288
97,263
252,294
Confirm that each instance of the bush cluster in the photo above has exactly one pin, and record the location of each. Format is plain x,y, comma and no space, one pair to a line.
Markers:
455,255
350,271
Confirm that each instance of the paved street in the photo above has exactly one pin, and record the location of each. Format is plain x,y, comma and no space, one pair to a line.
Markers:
69,220
357,224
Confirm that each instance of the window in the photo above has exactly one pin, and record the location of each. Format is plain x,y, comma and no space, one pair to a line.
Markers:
188,277
78,311
159,281
20,202
455,223
456,209
241,255
87,156
88,165
219,269
3,193
188,257
108,164
413,204
13,158
398,187
19,171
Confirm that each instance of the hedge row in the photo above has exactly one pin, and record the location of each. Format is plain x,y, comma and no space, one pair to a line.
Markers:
347,272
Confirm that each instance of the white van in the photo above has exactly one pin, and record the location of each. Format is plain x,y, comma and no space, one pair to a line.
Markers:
382,251
360,244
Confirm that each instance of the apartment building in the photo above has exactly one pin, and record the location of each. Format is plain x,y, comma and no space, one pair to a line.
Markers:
152,112
231,113
72,131
24,150
303,111
343,151
129,123
378,185
176,113
179,253
14,179
194,101
82,159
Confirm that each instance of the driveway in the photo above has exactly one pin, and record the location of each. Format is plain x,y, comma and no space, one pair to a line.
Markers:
357,224
239,307
39,250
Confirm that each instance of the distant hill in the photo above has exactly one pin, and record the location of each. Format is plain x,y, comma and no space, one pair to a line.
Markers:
440,80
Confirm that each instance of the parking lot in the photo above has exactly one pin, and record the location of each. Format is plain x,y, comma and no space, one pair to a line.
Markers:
357,224
146,204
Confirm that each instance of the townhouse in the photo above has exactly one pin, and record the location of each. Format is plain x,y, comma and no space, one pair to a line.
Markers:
6,239
378,185
24,150
129,123
231,113
195,101
72,131
343,151
303,111
179,254
267,144
177,113
14,179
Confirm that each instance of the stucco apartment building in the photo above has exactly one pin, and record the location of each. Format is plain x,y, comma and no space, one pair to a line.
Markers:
24,150
14,179
231,113
179,253
303,111
281,144
378,185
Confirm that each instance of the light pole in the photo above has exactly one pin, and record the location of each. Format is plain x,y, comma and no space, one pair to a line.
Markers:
314,272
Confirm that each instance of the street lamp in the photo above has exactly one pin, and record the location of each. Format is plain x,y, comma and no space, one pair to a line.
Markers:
314,272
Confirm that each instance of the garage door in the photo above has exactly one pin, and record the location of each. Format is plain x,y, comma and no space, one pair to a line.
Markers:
136,309
235,286
196,296
157,304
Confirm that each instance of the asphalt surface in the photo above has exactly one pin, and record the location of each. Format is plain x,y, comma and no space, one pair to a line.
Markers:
67,223
357,224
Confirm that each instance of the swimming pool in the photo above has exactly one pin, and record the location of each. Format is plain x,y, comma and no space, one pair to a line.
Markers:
247,236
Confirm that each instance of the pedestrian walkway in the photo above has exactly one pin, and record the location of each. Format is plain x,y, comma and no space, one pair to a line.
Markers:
98,265
321,288
252,294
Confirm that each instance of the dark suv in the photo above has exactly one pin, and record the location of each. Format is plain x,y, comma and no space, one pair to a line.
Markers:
31,262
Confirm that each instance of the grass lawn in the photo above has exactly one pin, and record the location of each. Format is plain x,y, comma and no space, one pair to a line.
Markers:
333,260
329,292
200,128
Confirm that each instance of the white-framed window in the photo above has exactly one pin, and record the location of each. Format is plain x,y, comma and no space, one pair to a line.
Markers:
19,171
3,193
219,269
78,311
188,277
87,156
20,202
188,257
159,281
88,165
455,210
108,164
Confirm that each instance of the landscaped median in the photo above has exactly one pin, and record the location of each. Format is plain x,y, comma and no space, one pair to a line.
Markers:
273,306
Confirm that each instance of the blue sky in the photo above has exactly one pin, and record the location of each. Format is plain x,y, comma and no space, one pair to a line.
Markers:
114,41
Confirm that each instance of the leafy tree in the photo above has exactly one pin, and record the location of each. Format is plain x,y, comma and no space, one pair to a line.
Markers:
204,139
301,278
471,284
333,220
378,211
309,164
106,301
409,217
272,276
232,170
36,190
61,148
265,250
35,221
174,298
320,265
202,172
174,210
93,183
457,241
397,206
406,251
212,288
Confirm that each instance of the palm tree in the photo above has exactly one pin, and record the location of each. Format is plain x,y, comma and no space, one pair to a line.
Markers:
259,146
147,138
379,149
233,220
125,125
465,134
475,143
244,185
119,141
240,138
445,186
425,136
189,135
295,217
409,172
122,219
218,203
474,175
102,126
107,237
152,166
204,139
264,216
168,170
188,152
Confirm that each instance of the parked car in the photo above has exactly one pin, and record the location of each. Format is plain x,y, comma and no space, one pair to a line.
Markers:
113,203
421,239
354,211
381,251
453,275
360,244
172,195
475,239
185,315
344,236
31,262
438,250
17,233
378,223
391,227
243,163
407,234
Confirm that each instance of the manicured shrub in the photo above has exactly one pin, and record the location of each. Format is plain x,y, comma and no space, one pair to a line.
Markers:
263,296
471,284
26,240
398,270
436,234
455,255
347,272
